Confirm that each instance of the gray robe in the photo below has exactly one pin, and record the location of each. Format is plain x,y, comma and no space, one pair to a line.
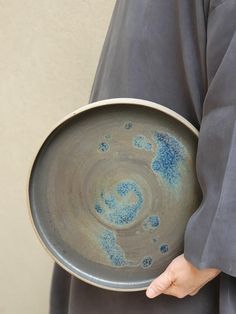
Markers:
181,54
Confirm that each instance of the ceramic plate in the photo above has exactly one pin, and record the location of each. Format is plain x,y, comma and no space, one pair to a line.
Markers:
111,191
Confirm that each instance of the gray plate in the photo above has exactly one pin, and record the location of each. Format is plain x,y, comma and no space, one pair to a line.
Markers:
111,191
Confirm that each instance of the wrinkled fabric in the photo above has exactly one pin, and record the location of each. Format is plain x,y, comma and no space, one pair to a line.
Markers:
180,54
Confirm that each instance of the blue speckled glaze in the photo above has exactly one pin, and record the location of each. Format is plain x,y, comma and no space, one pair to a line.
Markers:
128,125
98,208
103,147
168,156
147,262
112,249
141,142
151,222
148,147
116,208
164,248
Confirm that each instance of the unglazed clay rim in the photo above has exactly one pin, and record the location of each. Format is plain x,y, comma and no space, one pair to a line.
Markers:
100,103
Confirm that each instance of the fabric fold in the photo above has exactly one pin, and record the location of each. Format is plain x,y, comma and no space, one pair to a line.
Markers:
215,245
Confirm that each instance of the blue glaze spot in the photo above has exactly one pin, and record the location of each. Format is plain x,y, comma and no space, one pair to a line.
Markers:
164,248
154,221
147,262
103,147
140,142
116,206
98,208
112,249
168,155
148,147
128,125
151,222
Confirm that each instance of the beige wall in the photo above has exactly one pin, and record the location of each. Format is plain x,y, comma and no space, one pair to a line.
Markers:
48,57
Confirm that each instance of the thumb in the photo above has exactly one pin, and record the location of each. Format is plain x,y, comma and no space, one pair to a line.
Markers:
159,285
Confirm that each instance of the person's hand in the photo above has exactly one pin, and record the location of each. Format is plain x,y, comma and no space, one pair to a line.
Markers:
180,279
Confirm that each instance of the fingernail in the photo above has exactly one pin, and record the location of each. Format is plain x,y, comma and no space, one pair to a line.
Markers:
150,293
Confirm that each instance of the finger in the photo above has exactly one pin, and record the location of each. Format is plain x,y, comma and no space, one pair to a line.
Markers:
159,285
175,292
194,292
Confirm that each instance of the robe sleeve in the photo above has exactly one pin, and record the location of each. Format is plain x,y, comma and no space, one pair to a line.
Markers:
210,235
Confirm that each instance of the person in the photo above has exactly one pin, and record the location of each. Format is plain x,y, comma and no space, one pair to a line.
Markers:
180,54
